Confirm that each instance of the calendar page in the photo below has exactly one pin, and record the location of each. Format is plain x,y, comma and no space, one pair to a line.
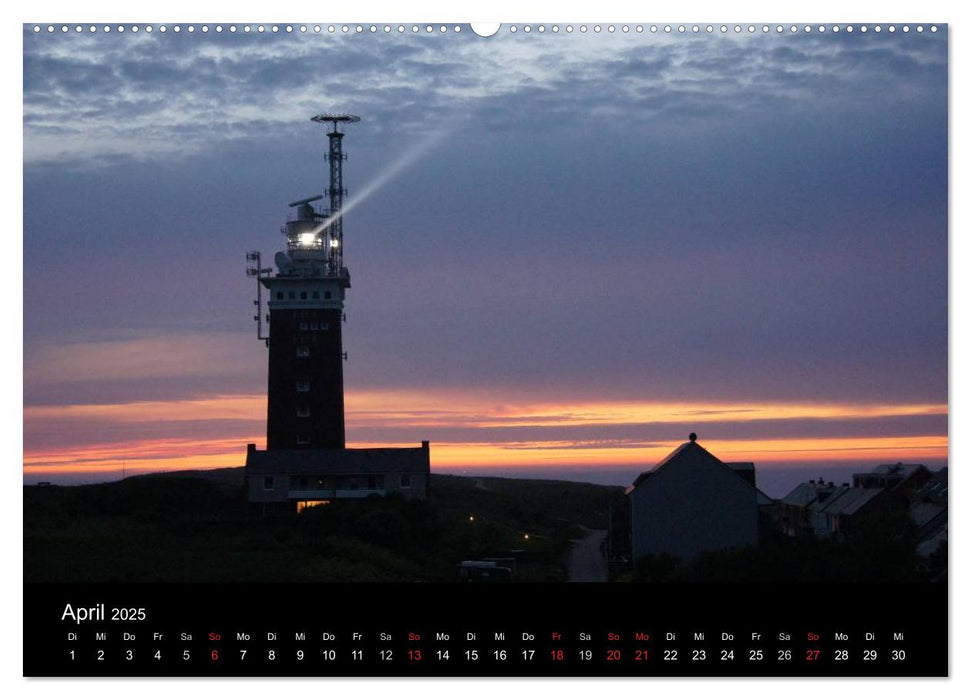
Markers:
643,370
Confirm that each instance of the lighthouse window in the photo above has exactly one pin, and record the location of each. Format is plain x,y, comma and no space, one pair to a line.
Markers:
303,386
303,295
303,351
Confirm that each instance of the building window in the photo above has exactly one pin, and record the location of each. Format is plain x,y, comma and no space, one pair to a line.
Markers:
303,386
279,296
406,481
303,351
291,295
354,485
372,483
303,439
303,295
267,483
324,326
304,505
326,295
303,325
316,295
314,325
303,412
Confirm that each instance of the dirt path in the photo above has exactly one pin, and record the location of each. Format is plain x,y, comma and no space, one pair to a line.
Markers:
586,562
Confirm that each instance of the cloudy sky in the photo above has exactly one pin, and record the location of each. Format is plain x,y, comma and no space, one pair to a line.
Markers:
567,250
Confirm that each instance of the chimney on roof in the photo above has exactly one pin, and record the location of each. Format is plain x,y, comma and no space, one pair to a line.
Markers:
693,437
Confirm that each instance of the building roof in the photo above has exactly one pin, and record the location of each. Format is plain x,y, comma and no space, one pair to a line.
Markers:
692,450
935,489
927,546
740,466
924,512
381,460
848,500
898,468
808,493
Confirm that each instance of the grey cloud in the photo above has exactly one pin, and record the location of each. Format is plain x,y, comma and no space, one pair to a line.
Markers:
179,94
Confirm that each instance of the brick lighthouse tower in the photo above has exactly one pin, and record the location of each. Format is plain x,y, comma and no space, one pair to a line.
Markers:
305,462
305,396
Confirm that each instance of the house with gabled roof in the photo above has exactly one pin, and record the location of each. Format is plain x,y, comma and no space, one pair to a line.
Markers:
843,510
692,502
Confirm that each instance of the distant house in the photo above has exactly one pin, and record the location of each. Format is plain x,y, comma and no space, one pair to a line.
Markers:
826,509
795,508
844,509
692,502
288,480
903,478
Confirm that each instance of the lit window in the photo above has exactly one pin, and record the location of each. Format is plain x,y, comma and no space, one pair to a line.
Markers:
303,386
406,481
304,505
303,351
303,412
267,483
303,439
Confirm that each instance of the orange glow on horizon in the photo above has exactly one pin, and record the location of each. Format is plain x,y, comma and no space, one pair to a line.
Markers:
172,455
430,409
239,419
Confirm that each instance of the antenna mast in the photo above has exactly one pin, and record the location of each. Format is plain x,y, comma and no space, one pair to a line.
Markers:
336,191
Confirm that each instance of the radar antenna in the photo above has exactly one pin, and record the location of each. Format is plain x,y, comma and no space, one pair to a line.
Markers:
336,191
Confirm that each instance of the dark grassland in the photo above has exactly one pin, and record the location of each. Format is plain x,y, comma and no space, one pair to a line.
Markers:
191,526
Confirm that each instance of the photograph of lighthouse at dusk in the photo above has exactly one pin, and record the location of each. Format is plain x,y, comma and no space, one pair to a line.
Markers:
532,328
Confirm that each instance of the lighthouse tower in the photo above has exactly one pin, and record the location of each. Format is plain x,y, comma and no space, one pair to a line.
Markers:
305,393
305,462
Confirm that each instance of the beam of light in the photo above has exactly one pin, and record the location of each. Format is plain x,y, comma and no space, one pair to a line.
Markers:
393,170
